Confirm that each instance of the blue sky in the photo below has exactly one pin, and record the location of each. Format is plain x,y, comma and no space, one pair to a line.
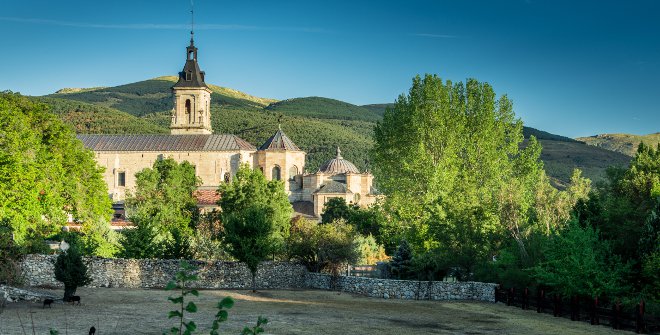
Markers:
574,68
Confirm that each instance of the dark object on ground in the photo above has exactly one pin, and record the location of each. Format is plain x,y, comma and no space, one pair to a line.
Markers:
92,331
48,302
72,299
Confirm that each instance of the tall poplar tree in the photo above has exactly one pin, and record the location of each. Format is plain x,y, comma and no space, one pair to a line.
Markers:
448,156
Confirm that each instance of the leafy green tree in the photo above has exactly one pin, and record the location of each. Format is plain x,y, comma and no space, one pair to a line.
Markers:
164,210
336,246
71,271
250,234
578,263
322,247
251,189
336,209
45,173
450,159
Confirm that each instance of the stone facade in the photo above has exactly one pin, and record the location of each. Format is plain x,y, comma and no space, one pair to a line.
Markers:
404,289
156,273
212,167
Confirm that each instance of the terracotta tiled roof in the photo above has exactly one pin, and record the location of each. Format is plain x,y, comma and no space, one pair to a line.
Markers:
279,141
207,197
165,142
338,165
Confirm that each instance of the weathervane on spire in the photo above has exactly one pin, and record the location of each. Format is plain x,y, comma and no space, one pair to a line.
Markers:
192,21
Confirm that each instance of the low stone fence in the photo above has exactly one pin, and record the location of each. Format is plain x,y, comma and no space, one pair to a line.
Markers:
404,289
13,294
156,273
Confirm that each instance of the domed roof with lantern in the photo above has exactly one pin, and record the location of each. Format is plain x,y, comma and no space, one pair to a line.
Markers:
338,165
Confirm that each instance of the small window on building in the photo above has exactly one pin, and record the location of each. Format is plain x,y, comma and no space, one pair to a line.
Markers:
293,172
121,179
188,76
227,177
276,173
356,198
191,55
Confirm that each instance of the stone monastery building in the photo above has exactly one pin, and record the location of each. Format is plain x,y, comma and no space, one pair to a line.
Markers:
217,157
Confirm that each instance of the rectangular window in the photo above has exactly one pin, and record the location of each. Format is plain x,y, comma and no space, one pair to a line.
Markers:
121,179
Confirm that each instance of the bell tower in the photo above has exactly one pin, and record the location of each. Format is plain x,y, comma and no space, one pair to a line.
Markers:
192,98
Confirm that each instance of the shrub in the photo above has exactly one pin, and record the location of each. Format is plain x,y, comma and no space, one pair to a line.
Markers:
71,271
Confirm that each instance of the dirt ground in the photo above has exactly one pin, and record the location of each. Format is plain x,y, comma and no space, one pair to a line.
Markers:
134,311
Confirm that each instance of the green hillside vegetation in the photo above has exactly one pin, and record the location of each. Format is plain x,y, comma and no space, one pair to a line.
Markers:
154,96
317,125
86,118
324,108
377,108
624,143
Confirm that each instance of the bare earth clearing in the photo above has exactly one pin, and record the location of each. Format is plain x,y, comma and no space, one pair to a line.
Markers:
134,311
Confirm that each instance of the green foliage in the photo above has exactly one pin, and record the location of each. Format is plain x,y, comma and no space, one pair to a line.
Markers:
448,158
578,263
164,211
71,271
207,243
249,232
323,108
10,273
184,276
251,189
182,279
46,173
401,263
369,251
258,329
336,209
87,118
430,266
322,247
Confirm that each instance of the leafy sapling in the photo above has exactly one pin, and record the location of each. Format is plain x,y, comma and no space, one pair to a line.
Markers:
183,276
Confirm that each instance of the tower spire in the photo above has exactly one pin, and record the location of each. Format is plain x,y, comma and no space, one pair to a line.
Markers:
192,22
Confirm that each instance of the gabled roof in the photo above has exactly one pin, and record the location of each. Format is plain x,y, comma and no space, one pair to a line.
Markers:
279,141
213,142
338,165
333,187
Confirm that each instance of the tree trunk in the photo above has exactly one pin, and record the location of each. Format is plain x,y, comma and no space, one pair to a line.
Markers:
69,291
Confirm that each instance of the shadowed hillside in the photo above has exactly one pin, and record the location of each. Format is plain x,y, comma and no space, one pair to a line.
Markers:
624,143
317,125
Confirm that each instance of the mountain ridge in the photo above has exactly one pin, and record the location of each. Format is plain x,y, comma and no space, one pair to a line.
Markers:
328,123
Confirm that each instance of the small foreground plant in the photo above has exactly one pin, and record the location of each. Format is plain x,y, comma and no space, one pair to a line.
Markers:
184,276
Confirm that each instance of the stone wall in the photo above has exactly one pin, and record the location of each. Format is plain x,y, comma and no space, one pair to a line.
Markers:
404,289
156,273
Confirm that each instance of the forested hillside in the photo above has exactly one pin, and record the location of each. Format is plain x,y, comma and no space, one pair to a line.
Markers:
317,125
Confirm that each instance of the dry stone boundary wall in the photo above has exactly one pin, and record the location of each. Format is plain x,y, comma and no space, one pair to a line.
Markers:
404,289
156,273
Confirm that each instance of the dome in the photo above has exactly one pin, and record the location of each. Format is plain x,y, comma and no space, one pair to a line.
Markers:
338,165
